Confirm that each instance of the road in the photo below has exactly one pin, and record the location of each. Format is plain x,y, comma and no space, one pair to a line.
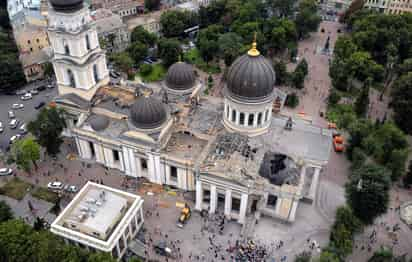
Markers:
24,115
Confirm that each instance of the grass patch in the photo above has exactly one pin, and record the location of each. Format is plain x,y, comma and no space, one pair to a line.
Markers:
45,194
15,188
193,57
158,73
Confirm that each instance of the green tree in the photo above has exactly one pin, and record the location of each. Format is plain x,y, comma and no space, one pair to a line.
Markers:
25,153
139,34
307,20
407,180
122,61
333,98
362,102
361,66
382,255
138,51
169,50
367,192
5,212
303,257
358,131
282,75
328,256
230,47
298,76
145,69
152,4
47,129
283,8
207,42
174,22
292,100
402,102
39,224
48,69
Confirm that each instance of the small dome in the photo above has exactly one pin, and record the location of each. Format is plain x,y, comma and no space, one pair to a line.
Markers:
251,76
99,122
66,5
148,113
180,76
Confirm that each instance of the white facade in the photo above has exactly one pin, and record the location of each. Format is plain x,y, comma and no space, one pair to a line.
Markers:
123,225
79,63
16,6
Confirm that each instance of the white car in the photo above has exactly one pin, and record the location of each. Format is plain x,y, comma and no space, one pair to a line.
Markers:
1,127
13,123
11,114
17,106
27,96
23,129
56,185
34,91
71,189
5,171
14,138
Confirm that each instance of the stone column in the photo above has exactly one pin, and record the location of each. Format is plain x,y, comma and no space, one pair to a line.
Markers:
138,167
199,195
228,203
243,208
213,199
314,184
246,119
237,117
278,206
255,119
292,214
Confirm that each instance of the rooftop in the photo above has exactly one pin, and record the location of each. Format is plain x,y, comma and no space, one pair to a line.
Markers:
95,212
107,21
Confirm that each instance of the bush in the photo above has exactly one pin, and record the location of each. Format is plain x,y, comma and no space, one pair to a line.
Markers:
292,100
343,115
334,98
145,69
303,257
5,212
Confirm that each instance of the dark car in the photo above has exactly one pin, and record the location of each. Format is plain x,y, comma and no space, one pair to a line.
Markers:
162,249
39,105
41,88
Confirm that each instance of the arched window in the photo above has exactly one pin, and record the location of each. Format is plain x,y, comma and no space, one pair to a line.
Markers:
233,115
242,118
227,112
251,119
87,42
71,78
66,49
259,118
95,73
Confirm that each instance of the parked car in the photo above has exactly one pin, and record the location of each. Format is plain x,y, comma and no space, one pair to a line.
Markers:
114,74
26,96
39,105
14,138
20,92
1,127
13,123
23,129
34,91
50,86
56,185
5,171
41,88
71,188
17,106
11,114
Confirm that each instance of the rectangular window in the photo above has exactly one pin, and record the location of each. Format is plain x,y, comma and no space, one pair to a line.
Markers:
227,112
92,149
242,118
266,115
235,204
233,115
251,119
173,173
143,164
116,156
260,118
272,199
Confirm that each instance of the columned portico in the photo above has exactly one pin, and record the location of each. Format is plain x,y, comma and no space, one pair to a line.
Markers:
213,199
243,208
228,203
199,195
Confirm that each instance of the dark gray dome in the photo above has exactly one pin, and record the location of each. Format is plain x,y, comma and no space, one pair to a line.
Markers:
251,77
180,76
67,5
148,113
99,122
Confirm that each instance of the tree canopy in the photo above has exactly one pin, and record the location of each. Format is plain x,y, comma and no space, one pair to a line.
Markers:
402,102
174,22
25,153
5,212
169,50
367,192
47,128
139,34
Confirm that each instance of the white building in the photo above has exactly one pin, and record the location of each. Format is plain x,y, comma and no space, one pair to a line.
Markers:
16,6
79,63
101,218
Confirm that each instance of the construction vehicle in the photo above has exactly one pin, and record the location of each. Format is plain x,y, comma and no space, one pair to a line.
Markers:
184,216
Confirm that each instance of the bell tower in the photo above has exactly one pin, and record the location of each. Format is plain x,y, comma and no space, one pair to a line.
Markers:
79,63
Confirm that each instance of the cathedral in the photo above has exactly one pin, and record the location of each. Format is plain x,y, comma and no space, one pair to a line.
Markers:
233,152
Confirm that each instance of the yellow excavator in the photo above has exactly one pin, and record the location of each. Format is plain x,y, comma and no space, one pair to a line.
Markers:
184,216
